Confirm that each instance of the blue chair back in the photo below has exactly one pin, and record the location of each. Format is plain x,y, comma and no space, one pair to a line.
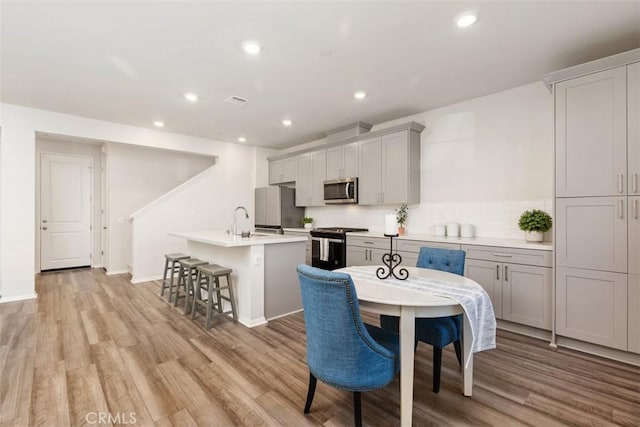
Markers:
450,260
340,350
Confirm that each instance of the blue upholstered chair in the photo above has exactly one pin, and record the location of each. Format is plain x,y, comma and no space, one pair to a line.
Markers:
437,331
342,351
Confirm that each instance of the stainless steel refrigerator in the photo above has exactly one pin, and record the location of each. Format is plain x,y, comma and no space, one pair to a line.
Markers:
276,208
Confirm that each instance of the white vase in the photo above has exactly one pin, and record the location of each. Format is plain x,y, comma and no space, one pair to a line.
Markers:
533,236
308,225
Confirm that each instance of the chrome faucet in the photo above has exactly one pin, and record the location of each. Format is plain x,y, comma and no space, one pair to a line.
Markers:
234,229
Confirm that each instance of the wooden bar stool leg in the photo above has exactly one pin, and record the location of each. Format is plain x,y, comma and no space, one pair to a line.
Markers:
232,299
196,295
181,283
209,303
218,295
189,293
164,276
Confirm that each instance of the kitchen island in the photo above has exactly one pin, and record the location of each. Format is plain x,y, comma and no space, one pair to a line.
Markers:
264,270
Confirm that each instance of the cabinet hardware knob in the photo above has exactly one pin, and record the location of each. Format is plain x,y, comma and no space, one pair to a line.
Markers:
506,273
497,271
44,228
502,255
635,209
634,182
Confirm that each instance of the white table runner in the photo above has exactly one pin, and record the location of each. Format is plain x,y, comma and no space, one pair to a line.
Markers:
471,296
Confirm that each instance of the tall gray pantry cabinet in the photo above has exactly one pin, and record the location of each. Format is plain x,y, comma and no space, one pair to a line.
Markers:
597,192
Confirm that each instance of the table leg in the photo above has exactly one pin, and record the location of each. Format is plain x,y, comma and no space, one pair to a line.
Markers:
467,366
407,347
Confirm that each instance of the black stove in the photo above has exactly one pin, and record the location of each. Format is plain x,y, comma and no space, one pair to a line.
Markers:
329,246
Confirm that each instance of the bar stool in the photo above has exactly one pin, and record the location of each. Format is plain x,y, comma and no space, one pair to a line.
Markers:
171,264
209,279
184,288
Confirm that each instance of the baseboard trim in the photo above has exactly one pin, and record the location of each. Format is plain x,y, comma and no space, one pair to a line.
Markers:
114,272
283,315
18,298
136,280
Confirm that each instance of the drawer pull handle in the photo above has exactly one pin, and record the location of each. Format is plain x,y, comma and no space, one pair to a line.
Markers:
620,208
368,243
502,255
635,209
620,182
634,182
497,271
506,273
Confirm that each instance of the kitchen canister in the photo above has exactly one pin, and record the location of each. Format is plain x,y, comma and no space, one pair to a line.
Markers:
453,229
467,230
439,230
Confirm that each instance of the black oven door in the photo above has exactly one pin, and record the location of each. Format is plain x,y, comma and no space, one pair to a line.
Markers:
328,254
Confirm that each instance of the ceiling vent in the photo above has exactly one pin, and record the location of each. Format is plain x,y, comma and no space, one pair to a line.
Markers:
236,100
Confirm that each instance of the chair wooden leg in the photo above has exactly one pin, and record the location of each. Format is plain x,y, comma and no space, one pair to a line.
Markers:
207,321
458,347
197,296
437,363
312,390
357,409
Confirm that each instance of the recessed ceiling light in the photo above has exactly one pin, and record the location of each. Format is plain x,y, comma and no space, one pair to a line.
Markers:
251,47
466,19
287,122
360,94
242,139
191,97
158,124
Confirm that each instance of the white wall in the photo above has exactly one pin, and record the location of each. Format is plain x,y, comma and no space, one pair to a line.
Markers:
47,145
483,161
137,176
17,177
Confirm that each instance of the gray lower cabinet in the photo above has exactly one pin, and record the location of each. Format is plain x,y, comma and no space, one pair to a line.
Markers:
518,281
307,249
366,250
592,306
527,295
488,275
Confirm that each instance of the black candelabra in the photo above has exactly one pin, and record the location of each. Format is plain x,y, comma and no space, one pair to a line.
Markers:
391,261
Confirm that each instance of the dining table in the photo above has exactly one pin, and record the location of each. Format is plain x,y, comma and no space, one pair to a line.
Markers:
427,293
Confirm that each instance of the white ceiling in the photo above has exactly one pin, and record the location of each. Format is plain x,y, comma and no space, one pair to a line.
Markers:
131,61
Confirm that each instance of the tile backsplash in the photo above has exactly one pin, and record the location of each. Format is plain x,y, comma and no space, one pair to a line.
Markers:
497,219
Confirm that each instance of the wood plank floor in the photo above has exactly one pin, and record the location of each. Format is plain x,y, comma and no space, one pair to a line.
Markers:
92,344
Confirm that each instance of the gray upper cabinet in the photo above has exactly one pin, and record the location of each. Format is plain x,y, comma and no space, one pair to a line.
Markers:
283,170
342,161
390,169
310,177
591,134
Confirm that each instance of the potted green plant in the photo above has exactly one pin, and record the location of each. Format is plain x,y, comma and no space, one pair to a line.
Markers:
307,221
401,217
535,223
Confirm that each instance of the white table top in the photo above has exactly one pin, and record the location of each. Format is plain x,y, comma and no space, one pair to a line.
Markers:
384,292
221,238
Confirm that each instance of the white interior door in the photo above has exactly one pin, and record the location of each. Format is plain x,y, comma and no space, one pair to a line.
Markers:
65,211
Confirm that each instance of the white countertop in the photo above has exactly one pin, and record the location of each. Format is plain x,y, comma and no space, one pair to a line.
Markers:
221,238
480,241
298,230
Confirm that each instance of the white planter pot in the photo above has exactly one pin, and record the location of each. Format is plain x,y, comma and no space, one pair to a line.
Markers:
308,225
534,236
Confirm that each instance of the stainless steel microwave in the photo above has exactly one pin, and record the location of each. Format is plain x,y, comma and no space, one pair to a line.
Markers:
340,191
